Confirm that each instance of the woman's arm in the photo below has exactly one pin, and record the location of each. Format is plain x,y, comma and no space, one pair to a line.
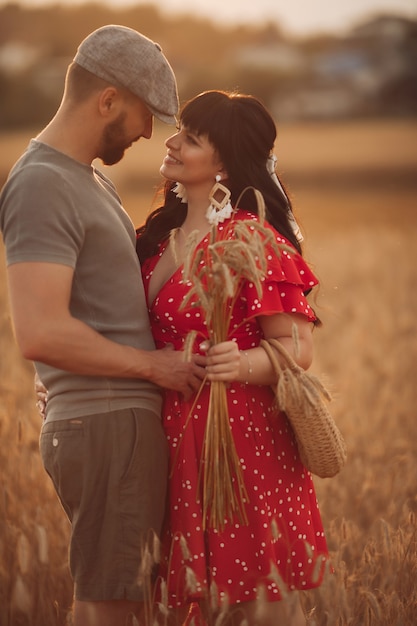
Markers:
227,363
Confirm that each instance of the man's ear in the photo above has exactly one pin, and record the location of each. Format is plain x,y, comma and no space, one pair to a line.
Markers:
107,101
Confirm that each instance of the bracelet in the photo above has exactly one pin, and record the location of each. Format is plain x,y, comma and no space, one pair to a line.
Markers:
250,370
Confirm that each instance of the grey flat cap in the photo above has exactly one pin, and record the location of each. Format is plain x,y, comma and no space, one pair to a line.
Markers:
125,58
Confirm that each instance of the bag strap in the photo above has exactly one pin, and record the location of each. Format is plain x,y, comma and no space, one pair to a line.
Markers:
293,380
269,344
259,201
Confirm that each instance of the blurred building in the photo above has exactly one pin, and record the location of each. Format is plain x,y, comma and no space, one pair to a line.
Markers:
372,71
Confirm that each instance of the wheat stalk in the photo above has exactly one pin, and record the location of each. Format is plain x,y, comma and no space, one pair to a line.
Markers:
234,254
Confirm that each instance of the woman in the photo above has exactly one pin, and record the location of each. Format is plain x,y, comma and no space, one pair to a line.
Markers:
249,568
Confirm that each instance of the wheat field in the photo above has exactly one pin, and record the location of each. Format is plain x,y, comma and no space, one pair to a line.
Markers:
354,187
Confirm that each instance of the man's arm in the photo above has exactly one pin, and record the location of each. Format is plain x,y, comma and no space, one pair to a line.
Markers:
46,332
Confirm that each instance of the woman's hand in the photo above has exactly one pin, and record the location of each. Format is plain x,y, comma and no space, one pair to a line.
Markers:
224,361
41,395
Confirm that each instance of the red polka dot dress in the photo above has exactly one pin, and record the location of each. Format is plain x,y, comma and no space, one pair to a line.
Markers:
283,545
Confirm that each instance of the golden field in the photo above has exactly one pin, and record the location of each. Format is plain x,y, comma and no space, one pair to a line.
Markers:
354,188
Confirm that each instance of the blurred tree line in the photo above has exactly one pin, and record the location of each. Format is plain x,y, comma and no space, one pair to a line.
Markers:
320,76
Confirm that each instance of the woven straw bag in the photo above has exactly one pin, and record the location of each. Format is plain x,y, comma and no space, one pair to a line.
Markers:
303,398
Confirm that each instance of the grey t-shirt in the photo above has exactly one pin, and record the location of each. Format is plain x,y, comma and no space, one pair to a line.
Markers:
55,209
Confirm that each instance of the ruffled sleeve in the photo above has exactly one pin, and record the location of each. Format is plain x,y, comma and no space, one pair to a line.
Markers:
286,285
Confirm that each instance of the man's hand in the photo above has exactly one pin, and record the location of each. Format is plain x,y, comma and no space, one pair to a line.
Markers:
172,371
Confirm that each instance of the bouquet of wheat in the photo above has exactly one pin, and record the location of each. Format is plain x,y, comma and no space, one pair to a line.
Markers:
234,254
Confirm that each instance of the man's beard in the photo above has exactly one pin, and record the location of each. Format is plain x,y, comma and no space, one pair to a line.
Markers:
114,141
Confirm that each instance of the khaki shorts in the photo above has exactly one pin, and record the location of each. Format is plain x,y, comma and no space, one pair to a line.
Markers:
110,473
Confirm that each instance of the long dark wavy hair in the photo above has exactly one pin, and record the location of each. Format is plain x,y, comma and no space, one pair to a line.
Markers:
243,132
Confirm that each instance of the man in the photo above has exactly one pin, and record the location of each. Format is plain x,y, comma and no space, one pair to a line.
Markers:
79,313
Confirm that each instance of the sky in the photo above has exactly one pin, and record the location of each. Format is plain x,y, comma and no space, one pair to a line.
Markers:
298,17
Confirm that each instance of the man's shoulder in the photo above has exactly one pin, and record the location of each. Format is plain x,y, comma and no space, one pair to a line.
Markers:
35,163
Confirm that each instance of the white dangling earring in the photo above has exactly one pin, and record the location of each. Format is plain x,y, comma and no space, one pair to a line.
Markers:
180,192
219,209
